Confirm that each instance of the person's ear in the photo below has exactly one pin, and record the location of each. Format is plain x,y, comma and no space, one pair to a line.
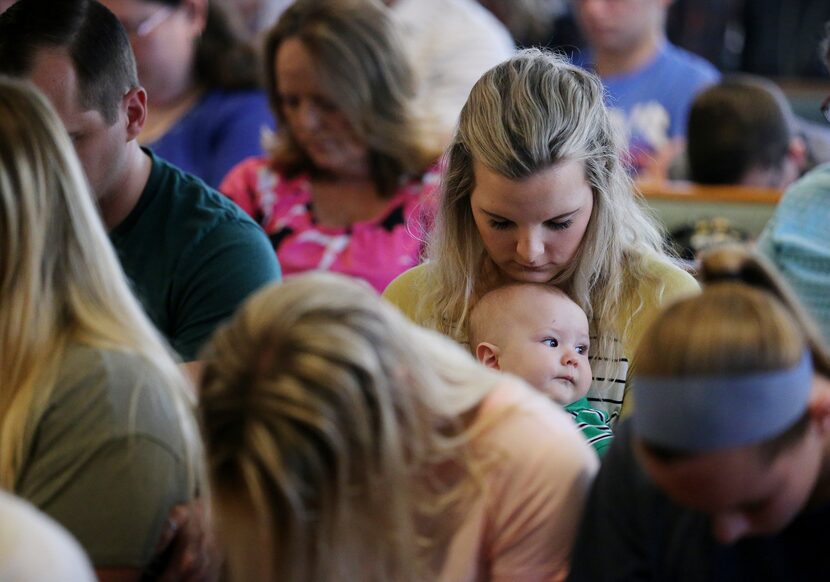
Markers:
819,408
134,103
488,354
197,12
797,152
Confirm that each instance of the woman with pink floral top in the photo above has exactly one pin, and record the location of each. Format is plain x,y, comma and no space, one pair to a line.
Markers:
350,181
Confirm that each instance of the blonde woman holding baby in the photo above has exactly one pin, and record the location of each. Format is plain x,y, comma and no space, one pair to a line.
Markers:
535,191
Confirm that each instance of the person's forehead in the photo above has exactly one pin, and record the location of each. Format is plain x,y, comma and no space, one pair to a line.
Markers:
558,188
713,481
535,305
553,307
294,62
54,74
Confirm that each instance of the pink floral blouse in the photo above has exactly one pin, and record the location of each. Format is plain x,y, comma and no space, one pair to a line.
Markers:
375,250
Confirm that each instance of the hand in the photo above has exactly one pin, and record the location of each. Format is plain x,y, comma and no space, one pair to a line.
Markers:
186,551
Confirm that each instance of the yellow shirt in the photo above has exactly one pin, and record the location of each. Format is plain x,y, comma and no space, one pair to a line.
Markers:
611,372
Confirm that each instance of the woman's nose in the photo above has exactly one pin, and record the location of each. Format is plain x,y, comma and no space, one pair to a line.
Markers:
529,247
308,114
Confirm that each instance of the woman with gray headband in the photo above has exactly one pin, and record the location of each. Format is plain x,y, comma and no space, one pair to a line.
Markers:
723,472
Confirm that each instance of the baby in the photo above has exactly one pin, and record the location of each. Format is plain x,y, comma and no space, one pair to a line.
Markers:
538,333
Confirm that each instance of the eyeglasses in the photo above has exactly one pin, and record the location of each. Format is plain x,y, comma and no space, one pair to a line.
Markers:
150,23
825,109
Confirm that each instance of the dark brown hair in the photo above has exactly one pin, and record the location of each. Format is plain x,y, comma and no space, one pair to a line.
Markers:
734,127
224,59
92,37
361,62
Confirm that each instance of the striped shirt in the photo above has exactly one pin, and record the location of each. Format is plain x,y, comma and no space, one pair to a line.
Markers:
592,423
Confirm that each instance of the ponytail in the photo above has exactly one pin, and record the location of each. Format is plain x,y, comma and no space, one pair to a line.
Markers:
737,264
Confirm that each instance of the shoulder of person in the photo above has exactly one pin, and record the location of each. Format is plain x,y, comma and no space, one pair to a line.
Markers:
694,66
197,210
253,174
520,418
405,291
236,99
659,273
812,187
125,382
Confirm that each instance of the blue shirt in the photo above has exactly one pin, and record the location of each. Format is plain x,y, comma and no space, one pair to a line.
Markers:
797,241
221,130
651,105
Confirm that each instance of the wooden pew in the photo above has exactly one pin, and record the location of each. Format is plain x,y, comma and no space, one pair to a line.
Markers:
678,203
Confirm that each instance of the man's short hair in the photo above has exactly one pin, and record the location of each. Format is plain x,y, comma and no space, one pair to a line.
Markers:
92,37
734,127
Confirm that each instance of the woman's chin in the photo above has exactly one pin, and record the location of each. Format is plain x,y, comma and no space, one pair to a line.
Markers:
533,275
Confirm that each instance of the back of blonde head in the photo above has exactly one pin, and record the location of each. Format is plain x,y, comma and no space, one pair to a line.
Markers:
323,409
527,114
60,280
746,320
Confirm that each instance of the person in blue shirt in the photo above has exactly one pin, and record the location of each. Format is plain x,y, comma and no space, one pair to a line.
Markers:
650,82
207,110
796,239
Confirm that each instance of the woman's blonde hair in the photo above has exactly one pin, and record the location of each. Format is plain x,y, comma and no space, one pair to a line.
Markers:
60,281
323,411
360,61
525,115
746,320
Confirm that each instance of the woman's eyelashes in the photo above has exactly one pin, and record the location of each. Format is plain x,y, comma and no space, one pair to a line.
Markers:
321,104
500,224
551,224
559,225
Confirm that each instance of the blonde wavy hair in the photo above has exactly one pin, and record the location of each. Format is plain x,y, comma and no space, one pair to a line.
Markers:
746,320
323,412
527,114
360,62
60,281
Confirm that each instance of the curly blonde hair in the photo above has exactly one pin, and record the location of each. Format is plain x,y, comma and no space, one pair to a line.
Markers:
324,413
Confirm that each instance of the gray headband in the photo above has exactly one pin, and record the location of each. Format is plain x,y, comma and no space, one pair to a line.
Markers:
704,413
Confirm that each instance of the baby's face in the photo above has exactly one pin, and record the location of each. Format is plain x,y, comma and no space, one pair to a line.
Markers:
545,342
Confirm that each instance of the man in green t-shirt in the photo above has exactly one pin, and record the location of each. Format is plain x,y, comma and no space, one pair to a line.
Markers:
191,254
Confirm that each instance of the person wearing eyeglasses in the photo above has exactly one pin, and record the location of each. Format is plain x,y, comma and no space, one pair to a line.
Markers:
191,255
797,237
207,110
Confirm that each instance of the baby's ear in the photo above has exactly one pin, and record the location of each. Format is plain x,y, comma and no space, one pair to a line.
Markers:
488,354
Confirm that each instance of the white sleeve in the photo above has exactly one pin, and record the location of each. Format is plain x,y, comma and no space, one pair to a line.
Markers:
35,548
